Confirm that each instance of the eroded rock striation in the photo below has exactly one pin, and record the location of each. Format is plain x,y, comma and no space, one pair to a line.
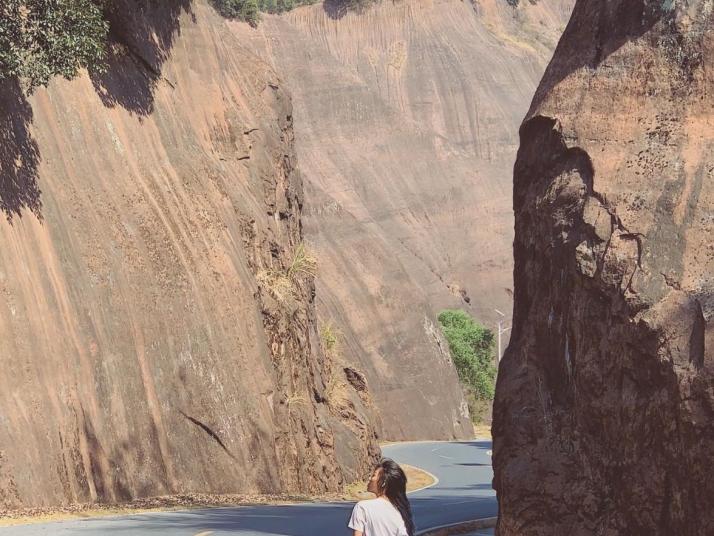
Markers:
406,119
153,336
604,415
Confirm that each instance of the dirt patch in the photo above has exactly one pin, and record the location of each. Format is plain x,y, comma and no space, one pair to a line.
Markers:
416,479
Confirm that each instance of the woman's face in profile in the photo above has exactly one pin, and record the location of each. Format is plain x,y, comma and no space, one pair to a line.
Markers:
373,484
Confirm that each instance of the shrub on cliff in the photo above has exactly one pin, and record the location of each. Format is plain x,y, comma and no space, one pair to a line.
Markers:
472,350
358,5
40,39
284,283
339,8
247,10
280,6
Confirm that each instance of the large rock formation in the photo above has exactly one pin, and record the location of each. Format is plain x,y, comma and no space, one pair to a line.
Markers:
156,335
604,417
406,122
153,338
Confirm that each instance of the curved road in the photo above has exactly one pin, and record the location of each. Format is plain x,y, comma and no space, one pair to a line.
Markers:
462,493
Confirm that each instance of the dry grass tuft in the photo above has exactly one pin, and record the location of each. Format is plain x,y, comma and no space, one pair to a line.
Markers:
331,339
283,284
304,262
279,286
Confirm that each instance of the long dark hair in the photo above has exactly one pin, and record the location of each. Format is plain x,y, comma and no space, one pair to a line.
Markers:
393,483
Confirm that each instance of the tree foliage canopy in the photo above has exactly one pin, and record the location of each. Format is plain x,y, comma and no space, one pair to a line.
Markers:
40,39
247,10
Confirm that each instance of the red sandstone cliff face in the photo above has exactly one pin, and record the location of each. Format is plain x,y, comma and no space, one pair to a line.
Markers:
604,415
145,346
406,119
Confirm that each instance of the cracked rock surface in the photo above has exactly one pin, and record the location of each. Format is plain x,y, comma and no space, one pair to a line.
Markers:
604,414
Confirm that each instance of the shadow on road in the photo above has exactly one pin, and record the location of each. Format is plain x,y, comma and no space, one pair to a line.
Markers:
305,520
462,494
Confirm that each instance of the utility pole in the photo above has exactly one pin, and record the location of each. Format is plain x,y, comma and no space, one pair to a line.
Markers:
501,331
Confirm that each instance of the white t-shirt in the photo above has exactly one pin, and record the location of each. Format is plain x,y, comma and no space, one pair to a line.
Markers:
377,517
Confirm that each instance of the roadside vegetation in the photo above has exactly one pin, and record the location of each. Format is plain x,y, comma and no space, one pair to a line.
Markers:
472,348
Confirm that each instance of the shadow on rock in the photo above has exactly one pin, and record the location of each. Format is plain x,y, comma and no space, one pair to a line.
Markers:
19,154
607,31
141,35
336,9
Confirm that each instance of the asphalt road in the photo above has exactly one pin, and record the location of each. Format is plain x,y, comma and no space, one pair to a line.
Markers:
462,493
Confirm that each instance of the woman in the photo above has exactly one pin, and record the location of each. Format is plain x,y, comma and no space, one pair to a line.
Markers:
389,514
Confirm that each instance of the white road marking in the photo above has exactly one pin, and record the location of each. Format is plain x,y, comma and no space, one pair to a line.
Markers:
457,502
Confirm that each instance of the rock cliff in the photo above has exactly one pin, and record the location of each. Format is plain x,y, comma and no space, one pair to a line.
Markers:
157,334
406,122
159,324
604,414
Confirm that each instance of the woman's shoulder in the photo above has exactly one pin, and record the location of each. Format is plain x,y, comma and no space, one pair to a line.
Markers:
368,502
372,504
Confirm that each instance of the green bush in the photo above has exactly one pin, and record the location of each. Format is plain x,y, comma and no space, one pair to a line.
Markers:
40,39
358,5
472,350
280,6
339,8
247,10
